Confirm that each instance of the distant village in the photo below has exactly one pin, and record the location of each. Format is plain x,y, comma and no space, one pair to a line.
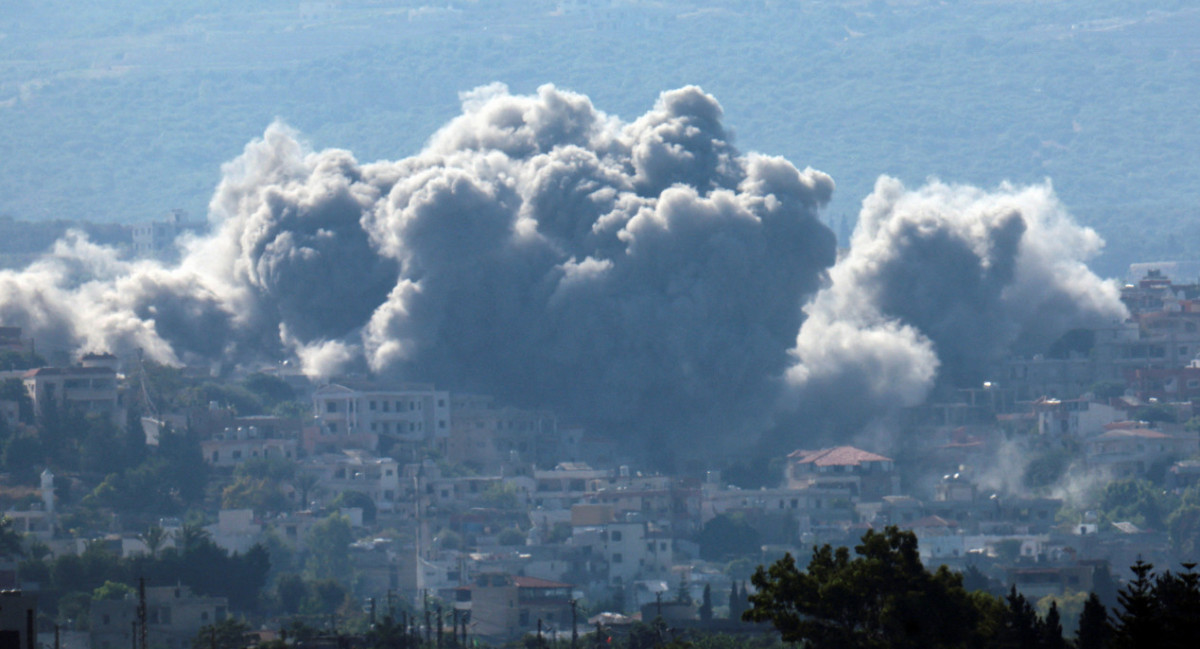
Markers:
1054,477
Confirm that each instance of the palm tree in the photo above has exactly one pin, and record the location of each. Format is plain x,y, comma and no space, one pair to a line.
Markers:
154,537
189,536
10,538
305,483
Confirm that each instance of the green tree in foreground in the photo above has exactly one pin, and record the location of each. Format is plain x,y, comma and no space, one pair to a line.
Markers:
883,597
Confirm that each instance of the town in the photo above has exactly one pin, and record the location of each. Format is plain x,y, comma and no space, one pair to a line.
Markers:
178,499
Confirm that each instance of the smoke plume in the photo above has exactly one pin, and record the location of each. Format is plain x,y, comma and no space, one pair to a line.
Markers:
938,285
644,277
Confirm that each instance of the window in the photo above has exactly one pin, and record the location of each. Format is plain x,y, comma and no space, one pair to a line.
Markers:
371,405
616,535
330,406
617,558
442,422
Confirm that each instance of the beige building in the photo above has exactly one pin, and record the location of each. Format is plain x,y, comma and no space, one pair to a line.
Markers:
865,475
174,615
504,607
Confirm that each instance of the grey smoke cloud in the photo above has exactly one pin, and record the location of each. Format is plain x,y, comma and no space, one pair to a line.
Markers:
643,276
939,283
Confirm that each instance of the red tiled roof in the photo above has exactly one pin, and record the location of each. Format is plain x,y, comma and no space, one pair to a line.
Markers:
837,456
534,582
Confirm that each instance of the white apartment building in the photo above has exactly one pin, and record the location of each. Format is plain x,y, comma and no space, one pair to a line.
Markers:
394,413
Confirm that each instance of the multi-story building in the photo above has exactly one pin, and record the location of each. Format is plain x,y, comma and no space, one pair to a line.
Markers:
399,417
494,438
90,388
505,607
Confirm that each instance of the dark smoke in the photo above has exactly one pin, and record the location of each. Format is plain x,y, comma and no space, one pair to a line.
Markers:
643,277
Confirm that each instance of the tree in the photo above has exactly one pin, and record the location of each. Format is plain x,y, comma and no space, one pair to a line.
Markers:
706,604
1021,627
305,483
329,544
348,499
1094,630
728,536
882,597
111,590
10,538
226,634
1139,623
291,591
1052,631
154,537
1183,528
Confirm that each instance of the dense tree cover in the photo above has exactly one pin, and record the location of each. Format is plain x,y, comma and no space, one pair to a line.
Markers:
171,478
883,597
329,548
727,536
198,563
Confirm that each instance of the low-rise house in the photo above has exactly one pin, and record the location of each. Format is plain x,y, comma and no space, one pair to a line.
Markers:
865,475
174,615
1130,449
377,477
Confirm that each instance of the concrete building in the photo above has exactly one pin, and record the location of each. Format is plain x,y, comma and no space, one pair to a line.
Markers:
505,607
864,475
1073,417
400,417
18,620
1130,449
377,477
494,439
91,389
174,615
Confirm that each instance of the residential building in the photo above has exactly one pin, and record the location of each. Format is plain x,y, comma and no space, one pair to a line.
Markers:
174,615
91,389
18,620
865,475
399,417
505,607
1130,449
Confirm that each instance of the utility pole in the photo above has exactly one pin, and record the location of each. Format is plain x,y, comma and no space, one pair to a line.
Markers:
574,624
371,600
439,626
141,610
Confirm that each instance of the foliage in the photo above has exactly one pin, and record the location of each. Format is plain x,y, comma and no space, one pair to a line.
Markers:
728,536
1136,501
883,597
349,499
229,633
510,537
500,495
329,548
1046,468
1183,528
112,590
